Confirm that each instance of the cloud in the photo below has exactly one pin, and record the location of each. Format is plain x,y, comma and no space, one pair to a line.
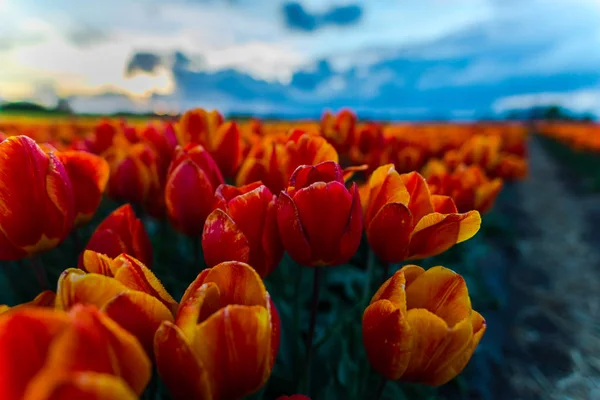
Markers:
143,62
86,35
297,17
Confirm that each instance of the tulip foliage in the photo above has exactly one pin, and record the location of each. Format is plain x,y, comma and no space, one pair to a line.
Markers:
212,259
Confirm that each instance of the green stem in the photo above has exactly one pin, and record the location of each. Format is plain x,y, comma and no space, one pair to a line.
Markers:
313,323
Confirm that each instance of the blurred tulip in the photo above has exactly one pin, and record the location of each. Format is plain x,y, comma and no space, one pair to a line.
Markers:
243,227
320,221
50,354
469,187
306,148
121,232
36,199
420,327
263,163
104,134
124,288
510,167
89,175
225,337
339,129
192,180
404,221
198,126
132,172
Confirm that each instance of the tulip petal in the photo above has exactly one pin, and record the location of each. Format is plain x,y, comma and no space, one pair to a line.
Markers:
204,302
235,342
270,243
186,193
386,186
81,386
140,314
75,286
389,232
223,240
96,263
306,175
443,204
451,370
178,366
292,233
442,292
429,332
324,210
420,198
33,329
387,338
135,275
275,322
394,291
354,228
238,283
436,233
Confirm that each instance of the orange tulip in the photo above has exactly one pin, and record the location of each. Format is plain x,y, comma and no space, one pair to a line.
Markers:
243,227
192,180
89,175
121,232
469,187
225,337
50,354
320,221
132,171
339,129
306,148
36,199
124,288
420,327
221,140
263,163
510,167
404,221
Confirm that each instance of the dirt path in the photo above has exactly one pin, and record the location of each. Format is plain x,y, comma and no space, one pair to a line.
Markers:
555,340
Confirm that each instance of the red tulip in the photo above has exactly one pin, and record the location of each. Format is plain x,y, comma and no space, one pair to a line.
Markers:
191,183
36,199
121,232
320,221
243,227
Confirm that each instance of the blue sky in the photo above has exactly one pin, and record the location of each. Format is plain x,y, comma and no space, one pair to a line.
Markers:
391,58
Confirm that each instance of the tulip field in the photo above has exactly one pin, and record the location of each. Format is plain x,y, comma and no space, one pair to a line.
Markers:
206,258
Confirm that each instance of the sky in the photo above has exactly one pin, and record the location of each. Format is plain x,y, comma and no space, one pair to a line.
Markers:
405,59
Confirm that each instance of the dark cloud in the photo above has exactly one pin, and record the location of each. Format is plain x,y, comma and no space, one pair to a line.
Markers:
143,62
298,18
87,35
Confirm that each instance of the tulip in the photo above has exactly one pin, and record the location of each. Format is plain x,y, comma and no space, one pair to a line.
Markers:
89,175
225,337
306,148
124,288
51,354
510,167
192,180
132,171
243,227
36,199
339,129
420,327
104,134
320,221
263,163
122,232
198,126
404,221
469,187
